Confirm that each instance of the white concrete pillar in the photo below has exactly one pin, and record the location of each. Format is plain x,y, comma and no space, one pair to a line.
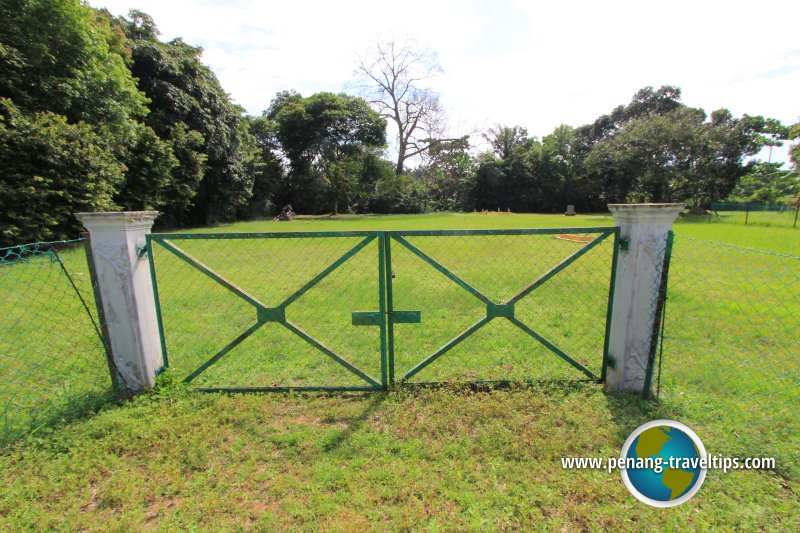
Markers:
645,228
126,291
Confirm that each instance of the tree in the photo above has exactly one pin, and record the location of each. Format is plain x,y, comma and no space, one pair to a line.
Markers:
64,57
447,173
326,138
393,81
794,150
208,132
267,169
678,156
766,182
50,170
505,177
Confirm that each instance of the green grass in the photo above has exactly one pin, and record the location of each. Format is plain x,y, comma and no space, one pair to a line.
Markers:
438,459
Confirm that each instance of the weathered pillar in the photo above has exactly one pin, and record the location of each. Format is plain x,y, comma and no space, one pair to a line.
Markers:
126,293
643,231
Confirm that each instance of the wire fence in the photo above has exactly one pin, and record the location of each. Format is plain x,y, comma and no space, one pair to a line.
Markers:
53,364
362,309
783,214
731,346
750,206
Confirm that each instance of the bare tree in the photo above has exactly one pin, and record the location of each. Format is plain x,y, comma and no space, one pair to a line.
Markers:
393,80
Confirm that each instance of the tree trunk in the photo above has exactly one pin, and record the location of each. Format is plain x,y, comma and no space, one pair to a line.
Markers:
401,156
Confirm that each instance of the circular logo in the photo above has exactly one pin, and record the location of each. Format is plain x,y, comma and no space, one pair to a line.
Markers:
663,463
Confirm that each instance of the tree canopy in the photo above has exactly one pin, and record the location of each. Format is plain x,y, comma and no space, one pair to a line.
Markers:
327,139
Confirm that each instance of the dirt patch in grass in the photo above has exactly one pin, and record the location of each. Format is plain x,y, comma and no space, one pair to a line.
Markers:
576,238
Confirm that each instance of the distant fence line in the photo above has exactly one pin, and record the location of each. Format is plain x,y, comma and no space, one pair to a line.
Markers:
749,206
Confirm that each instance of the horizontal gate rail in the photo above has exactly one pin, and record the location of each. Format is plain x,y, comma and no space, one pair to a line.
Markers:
269,235
468,232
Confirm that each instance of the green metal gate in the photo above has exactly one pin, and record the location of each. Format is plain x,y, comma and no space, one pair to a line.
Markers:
362,310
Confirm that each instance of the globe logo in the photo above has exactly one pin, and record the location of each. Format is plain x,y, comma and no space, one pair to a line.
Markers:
663,463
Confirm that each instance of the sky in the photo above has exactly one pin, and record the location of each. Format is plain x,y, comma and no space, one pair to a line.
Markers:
510,62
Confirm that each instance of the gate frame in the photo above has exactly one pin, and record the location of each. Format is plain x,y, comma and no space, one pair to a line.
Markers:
603,233
267,314
388,316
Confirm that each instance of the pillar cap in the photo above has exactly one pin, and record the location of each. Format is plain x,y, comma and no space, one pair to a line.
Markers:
117,220
666,213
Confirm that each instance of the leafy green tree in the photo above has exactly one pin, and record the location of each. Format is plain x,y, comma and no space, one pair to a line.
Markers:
508,142
64,57
325,137
151,163
267,167
507,177
794,150
50,170
447,173
656,149
766,182
188,104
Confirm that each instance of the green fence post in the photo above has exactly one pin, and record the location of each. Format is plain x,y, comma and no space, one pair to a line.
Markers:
382,307
387,242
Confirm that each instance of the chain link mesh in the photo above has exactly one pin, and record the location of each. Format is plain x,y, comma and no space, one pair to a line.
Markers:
201,317
731,345
338,275
52,361
568,310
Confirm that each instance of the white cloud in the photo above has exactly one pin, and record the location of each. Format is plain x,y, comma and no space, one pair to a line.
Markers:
536,64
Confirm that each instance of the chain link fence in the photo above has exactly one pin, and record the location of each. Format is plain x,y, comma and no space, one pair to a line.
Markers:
731,347
277,311
53,364
551,285
209,290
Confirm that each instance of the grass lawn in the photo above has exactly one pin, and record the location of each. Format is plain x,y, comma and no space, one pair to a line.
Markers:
436,459
433,459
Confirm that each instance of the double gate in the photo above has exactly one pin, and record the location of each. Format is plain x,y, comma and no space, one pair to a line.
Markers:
363,310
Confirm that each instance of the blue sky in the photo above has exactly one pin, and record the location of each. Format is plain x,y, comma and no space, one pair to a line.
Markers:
529,63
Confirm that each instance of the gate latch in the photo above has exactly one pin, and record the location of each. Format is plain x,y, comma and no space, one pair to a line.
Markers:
373,318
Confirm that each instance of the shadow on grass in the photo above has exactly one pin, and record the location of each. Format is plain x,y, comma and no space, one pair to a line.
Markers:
354,424
630,411
32,424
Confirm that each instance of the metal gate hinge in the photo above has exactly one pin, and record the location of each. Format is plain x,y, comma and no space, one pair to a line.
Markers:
141,250
611,361
623,244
